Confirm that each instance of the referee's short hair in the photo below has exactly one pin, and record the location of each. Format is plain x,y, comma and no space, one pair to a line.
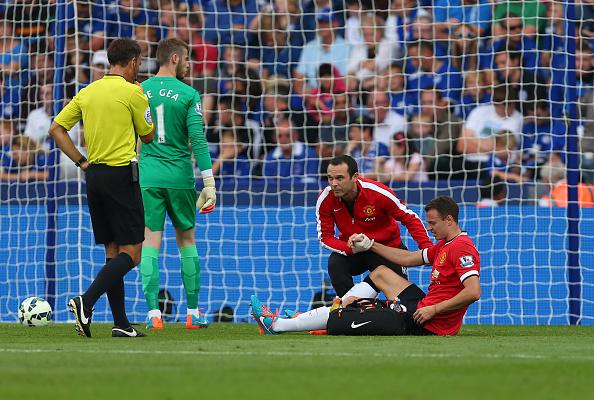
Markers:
444,205
168,47
349,161
121,51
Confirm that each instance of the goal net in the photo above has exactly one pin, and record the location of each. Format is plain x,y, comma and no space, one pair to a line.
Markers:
491,103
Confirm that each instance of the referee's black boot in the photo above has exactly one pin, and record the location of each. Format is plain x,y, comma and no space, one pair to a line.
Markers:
82,316
116,331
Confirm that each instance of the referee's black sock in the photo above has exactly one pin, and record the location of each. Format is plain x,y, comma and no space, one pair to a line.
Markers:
111,274
116,297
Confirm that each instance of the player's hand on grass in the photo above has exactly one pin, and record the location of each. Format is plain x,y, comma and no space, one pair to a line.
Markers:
208,197
360,242
424,314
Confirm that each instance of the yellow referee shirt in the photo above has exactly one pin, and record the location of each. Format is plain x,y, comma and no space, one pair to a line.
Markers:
113,111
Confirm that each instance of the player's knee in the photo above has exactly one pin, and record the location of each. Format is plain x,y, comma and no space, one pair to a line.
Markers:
378,273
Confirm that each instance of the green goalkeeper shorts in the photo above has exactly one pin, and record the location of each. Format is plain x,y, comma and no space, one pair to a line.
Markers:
179,204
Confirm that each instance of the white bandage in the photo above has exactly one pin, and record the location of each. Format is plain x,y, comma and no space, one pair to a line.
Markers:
363,290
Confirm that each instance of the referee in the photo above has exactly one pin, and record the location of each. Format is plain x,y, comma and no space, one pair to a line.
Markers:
115,112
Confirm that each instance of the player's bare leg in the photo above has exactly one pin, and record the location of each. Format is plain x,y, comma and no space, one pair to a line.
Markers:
389,282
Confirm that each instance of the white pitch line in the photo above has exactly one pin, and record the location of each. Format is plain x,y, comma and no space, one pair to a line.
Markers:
518,356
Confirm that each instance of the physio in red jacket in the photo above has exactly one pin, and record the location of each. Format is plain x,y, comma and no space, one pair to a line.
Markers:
357,205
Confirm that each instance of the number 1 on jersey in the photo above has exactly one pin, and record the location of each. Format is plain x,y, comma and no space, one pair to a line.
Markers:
160,123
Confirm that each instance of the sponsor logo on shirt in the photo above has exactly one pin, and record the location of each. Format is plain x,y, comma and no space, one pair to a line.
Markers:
442,258
148,116
198,108
466,261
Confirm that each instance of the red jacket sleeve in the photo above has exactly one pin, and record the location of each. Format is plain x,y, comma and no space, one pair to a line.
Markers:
407,217
325,226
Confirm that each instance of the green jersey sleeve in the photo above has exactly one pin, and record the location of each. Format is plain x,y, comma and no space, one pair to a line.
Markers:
196,133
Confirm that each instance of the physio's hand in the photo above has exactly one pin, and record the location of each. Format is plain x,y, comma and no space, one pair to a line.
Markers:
208,197
361,243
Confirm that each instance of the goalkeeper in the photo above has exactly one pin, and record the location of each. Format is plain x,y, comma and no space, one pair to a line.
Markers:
167,178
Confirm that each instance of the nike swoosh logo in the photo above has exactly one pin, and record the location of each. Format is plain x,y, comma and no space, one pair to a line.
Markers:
83,319
355,326
130,334
338,209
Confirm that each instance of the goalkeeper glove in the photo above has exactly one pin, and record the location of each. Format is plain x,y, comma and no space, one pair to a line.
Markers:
362,243
208,198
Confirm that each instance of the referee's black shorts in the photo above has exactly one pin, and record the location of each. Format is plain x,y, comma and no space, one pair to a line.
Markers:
341,269
115,205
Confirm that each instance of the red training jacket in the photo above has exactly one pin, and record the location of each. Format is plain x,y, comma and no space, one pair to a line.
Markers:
377,212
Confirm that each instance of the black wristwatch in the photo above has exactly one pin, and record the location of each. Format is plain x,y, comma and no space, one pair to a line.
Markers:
79,162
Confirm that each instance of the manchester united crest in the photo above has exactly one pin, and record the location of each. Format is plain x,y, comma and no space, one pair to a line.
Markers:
369,210
442,258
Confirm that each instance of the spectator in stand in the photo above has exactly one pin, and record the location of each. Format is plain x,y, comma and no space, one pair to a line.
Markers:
503,161
146,37
99,65
128,14
320,100
586,132
513,40
424,29
297,31
231,160
404,164
9,100
328,47
375,53
493,192
275,103
228,21
41,72
476,14
6,135
229,116
365,149
268,53
543,138
27,161
532,14
476,92
387,121
476,141
553,174
352,26
523,81
465,48
421,134
14,57
291,159
432,71
393,79
399,24
442,156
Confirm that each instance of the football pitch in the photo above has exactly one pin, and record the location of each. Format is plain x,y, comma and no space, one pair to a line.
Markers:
229,361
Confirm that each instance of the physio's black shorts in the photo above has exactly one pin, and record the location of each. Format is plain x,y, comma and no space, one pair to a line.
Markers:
409,298
115,205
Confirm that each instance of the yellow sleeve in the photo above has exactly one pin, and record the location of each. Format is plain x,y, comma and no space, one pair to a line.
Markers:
141,112
70,114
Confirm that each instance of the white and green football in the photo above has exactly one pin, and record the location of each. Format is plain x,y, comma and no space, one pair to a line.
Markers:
34,311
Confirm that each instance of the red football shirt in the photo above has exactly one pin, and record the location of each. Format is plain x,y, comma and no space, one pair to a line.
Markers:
453,262
376,213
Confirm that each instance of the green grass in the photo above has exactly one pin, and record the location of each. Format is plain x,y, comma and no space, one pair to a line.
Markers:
234,361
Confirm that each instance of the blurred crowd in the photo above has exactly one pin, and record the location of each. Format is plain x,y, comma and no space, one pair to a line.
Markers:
421,90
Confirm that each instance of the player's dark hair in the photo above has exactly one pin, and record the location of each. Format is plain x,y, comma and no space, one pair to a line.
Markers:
444,205
492,187
168,47
325,69
349,161
121,51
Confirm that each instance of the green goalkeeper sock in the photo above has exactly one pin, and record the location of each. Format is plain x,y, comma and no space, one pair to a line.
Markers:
149,270
190,268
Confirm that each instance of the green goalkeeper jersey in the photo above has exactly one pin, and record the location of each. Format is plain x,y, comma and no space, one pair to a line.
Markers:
177,113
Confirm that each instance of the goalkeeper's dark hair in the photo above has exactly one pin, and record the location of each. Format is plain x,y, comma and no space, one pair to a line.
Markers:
121,51
349,161
168,47
444,205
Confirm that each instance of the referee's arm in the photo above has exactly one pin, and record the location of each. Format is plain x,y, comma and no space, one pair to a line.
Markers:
65,120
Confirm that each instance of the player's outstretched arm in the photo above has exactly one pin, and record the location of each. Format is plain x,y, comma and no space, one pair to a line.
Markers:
468,295
360,242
